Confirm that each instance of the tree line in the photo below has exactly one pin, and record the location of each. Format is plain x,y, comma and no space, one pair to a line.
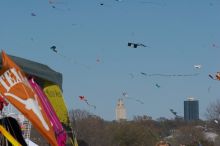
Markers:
92,130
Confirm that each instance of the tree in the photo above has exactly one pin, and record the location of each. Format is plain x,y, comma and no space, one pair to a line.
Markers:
89,127
213,111
213,116
190,135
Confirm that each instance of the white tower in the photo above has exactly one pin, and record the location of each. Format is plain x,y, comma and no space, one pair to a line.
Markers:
120,110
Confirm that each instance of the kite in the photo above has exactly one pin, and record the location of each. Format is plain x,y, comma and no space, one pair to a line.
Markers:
32,39
198,66
83,98
33,14
98,60
74,24
55,3
53,48
143,73
135,45
217,76
215,46
211,76
157,85
50,1
175,113
125,95
169,75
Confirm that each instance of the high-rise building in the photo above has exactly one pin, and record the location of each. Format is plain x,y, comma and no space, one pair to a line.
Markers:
191,109
120,110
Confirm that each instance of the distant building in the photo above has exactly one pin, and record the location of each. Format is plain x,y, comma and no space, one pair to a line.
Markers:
120,110
191,109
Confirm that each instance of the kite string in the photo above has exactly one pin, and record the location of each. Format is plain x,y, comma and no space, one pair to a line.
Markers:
131,98
73,60
90,104
86,101
168,75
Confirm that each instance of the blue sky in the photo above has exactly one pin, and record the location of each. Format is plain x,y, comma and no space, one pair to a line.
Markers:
179,34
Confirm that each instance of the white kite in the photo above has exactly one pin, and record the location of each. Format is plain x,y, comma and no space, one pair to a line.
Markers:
198,66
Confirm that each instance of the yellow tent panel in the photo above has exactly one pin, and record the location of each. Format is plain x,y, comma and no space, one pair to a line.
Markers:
54,94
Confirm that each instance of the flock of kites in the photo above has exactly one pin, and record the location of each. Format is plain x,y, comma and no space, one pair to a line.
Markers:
124,94
132,45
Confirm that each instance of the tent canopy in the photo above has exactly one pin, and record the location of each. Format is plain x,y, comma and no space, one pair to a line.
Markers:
37,69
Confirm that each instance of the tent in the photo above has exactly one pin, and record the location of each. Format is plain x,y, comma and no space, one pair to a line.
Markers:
37,69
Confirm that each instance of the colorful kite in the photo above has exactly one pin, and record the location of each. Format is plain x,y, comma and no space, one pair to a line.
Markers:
216,77
83,98
14,86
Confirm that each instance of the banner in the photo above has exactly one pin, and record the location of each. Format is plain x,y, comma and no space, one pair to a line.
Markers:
57,126
14,86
